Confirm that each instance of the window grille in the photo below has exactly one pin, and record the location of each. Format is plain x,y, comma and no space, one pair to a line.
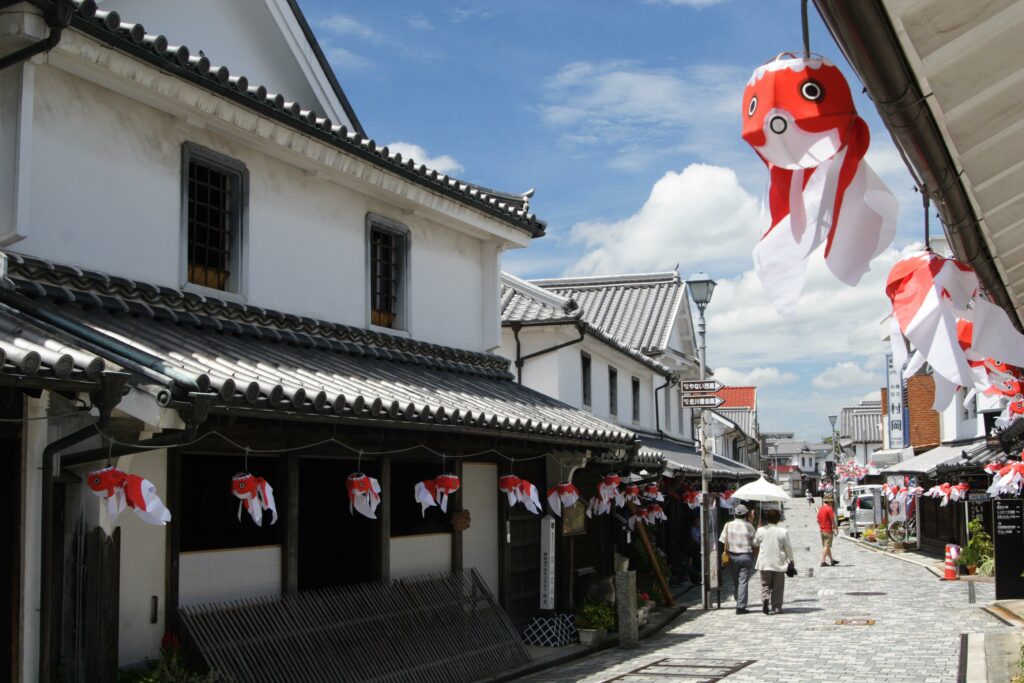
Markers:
613,391
636,401
212,222
385,274
585,366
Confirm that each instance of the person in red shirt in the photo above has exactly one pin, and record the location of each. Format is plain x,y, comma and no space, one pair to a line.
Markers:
829,527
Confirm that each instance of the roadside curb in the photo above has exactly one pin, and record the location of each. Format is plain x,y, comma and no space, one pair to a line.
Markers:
897,556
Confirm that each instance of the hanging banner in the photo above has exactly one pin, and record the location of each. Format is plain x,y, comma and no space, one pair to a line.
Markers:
547,562
897,425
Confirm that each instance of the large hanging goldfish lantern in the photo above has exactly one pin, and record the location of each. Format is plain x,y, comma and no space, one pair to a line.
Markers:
799,117
120,490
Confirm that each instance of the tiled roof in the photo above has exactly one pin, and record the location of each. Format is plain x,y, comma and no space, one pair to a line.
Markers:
928,462
258,359
738,397
862,423
636,310
525,303
30,355
683,459
193,66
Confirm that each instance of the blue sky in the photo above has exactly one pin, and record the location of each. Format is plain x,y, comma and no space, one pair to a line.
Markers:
625,117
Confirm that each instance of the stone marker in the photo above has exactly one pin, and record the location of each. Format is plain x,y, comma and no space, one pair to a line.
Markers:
625,604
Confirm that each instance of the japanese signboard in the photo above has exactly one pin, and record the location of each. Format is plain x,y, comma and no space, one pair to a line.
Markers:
547,562
897,421
702,401
1008,538
695,386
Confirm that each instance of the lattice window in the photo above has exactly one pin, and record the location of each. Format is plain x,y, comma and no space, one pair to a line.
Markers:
214,205
386,256
636,401
585,368
613,391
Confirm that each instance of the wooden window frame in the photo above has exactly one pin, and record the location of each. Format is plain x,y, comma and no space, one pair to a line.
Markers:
375,319
235,275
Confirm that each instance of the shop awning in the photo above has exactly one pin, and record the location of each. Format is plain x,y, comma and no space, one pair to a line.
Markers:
683,459
264,363
928,462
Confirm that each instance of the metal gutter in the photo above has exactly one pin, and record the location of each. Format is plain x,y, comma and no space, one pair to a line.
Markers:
57,15
865,34
521,359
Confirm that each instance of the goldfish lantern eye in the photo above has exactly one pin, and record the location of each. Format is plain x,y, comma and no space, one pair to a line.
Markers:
811,90
752,107
96,480
241,485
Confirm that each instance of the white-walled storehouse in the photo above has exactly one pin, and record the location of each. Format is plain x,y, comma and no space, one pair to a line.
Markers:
209,268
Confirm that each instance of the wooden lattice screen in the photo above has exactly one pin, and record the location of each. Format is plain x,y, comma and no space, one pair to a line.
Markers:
439,627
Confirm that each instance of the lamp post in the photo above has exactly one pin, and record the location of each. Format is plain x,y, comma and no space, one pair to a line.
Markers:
832,469
701,287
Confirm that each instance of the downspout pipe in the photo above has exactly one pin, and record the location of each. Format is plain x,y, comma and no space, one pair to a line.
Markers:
105,398
131,357
521,359
669,380
57,17
864,32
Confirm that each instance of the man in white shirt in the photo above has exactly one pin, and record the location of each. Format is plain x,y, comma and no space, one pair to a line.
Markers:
776,553
738,540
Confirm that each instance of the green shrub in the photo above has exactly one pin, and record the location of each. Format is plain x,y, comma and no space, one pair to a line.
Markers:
979,547
596,615
987,567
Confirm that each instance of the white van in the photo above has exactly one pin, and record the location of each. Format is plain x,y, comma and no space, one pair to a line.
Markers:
866,508
848,496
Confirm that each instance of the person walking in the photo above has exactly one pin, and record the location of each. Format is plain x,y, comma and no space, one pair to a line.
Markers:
775,556
737,539
829,527
810,498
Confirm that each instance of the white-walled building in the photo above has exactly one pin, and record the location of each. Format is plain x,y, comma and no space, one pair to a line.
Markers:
860,430
210,269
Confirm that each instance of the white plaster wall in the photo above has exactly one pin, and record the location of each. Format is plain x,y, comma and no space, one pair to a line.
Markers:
305,246
480,540
143,565
240,34
231,574
414,555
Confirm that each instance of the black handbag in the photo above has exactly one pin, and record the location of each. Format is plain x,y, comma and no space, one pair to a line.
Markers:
791,570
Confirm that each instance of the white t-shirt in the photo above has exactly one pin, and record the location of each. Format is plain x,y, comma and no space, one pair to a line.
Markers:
776,551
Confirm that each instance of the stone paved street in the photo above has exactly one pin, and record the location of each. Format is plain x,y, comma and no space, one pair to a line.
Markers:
915,637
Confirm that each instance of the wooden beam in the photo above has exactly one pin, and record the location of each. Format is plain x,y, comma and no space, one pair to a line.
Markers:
290,546
384,521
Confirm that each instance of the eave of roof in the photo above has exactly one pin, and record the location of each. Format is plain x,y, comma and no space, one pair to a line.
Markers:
132,39
266,363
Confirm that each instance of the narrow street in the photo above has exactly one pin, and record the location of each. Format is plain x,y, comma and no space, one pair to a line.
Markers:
915,637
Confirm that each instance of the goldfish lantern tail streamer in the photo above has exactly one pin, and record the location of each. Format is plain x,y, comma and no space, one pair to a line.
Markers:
800,119
266,497
140,495
364,494
426,495
529,497
509,485
445,485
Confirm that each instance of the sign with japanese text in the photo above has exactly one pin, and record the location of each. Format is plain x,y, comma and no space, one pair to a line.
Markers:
702,401
696,386
897,423
547,562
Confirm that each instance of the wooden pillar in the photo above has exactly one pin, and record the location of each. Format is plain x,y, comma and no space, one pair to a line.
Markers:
455,506
384,521
173,539
290,547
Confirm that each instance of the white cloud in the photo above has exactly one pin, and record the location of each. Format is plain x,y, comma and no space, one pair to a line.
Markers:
699,4
696,217
344,25
844,374
441,164
346,60
461,14
757,377
640,115
420,22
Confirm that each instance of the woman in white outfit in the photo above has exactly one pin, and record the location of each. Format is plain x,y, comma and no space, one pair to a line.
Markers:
775,556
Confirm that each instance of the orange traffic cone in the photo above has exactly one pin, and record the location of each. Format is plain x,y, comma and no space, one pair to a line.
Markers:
950,569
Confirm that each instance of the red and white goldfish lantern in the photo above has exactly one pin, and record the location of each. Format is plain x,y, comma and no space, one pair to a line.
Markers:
520,491
608,490
1007,480
122,490
563,495
631,494
436,491
651,491
799,116
363,494
655,514
254,495
639,516
693,499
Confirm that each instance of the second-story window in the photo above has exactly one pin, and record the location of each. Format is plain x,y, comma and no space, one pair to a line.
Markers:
215,204
388,273
613,391
636,400
585,374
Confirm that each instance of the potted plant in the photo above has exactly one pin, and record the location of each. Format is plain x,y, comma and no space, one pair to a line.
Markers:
594,621
643,608
979,547
869,535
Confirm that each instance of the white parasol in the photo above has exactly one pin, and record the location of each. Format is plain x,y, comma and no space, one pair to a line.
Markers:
761,490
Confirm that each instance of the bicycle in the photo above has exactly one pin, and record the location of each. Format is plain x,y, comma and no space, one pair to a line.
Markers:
901,531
